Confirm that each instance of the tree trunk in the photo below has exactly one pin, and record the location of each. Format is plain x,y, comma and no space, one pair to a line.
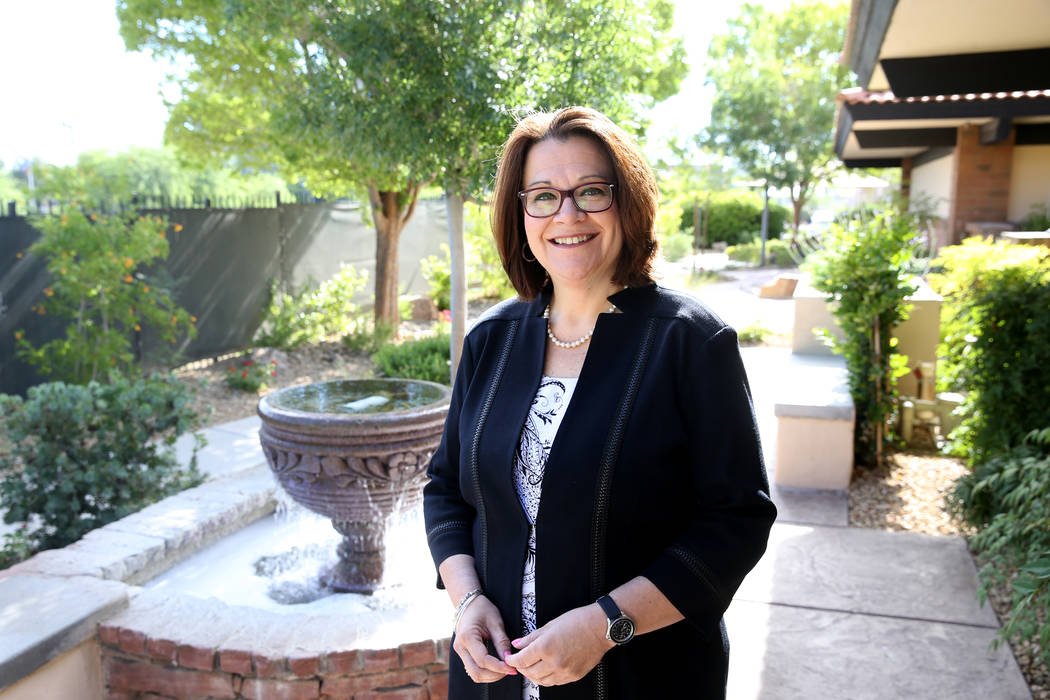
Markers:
458,300
391,210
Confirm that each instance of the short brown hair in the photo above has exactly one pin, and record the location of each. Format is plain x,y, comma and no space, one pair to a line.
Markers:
635,192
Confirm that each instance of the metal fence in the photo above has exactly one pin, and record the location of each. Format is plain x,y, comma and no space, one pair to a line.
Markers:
222,262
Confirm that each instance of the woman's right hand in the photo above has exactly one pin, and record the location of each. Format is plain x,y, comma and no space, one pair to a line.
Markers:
481,623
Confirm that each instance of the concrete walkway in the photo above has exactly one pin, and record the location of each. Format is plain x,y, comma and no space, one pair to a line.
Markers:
831,611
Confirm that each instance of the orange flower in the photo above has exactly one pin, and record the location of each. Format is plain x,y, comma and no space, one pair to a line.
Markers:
41,310
173,322
145,288
128,262
193,319
94,217
129,279
137,327
63,270
163,235
49,292
178,227
65,219
19,335
19,255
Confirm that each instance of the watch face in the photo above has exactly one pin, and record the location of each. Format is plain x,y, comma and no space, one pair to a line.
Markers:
621,630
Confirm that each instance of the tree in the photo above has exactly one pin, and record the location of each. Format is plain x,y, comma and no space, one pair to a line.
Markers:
776,78
383,97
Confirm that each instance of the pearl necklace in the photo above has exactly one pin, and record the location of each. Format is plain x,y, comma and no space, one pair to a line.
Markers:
573,343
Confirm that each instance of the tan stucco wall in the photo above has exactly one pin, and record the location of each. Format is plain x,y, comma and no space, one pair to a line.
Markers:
814,453
932,183
75,675
1029,181
917,337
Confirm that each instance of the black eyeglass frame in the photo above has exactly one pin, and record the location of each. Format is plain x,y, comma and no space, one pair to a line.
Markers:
572,197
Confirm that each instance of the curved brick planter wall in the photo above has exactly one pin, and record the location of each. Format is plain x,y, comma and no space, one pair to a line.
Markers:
141,664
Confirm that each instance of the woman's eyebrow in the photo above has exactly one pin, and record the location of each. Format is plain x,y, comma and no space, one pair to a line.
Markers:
581,180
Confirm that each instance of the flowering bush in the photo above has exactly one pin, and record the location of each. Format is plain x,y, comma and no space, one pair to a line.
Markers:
248,375
97,264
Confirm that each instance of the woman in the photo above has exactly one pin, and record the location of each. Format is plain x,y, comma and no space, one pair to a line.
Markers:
597,564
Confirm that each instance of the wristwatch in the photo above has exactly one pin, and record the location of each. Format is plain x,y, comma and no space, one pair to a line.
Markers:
621,627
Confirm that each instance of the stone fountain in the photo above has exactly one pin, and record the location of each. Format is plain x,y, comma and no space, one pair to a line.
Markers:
354,451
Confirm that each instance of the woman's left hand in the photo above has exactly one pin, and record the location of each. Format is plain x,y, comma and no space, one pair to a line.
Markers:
563,650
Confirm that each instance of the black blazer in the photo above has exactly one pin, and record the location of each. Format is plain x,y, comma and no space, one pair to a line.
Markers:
656,470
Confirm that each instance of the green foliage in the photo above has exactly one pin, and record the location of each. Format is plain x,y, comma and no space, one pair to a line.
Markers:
1007,496
249,375
676,246
17,546
778,253
776,77
10,189
754,334
438,274
99,267
368,337
865,268
734,216
485,276
424,358
1037,220
312,315
996,310
84,456
104,180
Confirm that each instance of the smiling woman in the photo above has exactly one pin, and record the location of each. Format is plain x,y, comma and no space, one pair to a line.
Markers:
599,477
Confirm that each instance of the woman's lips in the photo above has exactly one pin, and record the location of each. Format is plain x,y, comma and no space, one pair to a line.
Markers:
566,241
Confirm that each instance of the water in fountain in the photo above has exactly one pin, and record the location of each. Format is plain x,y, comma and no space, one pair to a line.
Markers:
275,564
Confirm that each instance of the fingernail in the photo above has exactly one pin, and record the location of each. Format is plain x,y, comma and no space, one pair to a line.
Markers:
516,642
506,654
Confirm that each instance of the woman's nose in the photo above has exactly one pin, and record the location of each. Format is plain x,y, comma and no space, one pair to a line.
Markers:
568,210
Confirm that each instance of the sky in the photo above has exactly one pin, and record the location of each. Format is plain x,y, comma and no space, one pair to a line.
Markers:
70,86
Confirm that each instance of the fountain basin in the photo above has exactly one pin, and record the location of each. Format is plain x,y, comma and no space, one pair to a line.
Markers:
354,451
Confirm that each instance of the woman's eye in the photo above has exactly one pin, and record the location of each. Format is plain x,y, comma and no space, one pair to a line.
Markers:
591,191
544,196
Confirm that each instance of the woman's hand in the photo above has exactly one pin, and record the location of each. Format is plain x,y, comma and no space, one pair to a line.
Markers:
565,649
479,623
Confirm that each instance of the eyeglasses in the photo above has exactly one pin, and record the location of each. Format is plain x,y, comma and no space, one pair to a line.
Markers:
590,197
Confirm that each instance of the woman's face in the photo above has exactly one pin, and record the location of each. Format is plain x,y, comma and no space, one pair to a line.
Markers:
575,247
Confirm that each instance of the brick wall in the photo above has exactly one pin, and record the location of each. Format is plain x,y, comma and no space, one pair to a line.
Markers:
980,180
138,667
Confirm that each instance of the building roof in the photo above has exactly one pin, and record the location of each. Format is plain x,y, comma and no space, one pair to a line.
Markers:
929,66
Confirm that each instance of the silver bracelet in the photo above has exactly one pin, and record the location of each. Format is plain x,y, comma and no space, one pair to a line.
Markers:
467,600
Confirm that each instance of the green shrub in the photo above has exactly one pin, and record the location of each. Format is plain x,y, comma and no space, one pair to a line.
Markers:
84,456
486,278
367,337
426,358
996,312
1037,220
248,375
754,334
778,253
734,215
865,266
676,246
1007,496
313,315
99,281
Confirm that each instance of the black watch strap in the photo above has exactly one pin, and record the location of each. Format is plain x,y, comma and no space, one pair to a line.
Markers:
620,629
609,606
